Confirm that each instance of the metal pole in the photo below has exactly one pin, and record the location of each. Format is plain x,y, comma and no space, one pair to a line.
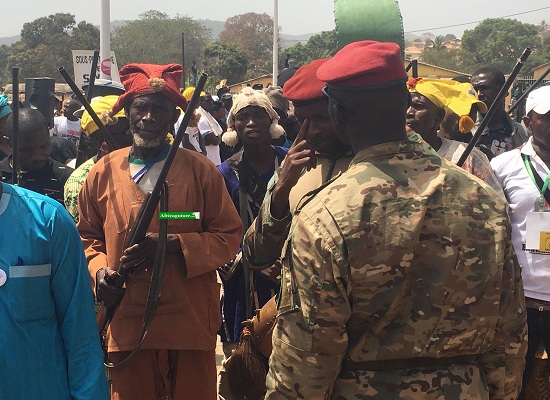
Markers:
105,40
183,60
414,68
15,120
275,41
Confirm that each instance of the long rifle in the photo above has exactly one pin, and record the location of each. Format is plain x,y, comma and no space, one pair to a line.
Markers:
15,120
112,142
138,231
533,86
496,104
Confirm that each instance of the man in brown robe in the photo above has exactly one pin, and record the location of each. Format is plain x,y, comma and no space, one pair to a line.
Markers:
177,358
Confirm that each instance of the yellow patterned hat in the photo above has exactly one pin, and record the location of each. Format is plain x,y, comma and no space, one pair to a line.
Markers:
188,93
457,97
101,106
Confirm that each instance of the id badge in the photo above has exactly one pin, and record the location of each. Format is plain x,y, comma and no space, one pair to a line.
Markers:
537,236
541,205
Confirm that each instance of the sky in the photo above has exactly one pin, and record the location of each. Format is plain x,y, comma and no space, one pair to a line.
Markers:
295,16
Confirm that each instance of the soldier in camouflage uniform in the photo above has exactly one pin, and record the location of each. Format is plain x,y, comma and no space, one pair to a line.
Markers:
399,277
316,156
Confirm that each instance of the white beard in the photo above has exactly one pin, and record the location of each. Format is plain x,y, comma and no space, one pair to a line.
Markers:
147,143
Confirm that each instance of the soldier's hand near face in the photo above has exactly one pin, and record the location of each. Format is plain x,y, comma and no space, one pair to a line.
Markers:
300,158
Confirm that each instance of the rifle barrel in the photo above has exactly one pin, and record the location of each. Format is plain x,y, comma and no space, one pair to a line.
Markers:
493,109
112,142
15,120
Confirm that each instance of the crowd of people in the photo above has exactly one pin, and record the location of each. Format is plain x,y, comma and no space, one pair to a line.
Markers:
396,273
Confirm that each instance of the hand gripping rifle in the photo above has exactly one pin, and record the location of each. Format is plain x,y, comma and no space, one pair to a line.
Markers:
138,230
493,109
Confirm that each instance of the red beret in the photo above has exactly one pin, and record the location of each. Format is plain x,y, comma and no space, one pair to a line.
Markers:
304,86
142,79
364,64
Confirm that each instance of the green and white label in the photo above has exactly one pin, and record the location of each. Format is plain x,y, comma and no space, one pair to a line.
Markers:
179,215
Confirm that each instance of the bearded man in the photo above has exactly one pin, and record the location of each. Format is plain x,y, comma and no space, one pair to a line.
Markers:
177,358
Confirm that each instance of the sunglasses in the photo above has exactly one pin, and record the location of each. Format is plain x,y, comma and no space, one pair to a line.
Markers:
326,93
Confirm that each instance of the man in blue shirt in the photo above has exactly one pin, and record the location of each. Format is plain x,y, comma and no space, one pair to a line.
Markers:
49,346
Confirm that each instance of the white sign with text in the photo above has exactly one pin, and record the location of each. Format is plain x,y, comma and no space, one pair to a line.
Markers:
82,63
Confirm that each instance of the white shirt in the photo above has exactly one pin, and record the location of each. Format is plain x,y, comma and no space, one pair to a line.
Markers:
476,163
150,175
207,123
521,193
192,132
66,129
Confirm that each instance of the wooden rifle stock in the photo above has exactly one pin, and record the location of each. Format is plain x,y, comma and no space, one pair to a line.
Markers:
138,231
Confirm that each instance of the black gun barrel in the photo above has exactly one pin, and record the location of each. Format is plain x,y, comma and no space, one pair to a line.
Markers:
112,142
494,107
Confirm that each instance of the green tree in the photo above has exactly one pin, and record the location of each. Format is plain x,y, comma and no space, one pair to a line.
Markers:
443,57
5,73
46,45
499,42
323,45
253,33
439,43
156,38
225,61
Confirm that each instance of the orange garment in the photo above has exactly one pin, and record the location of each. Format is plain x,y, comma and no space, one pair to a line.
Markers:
156,374
188,315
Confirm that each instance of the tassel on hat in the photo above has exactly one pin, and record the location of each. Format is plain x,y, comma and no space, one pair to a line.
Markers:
157,84
466,124
230,137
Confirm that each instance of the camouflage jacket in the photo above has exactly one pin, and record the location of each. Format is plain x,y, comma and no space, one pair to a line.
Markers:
266,236
402,257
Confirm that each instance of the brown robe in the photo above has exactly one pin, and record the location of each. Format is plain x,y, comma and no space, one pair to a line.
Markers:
188,316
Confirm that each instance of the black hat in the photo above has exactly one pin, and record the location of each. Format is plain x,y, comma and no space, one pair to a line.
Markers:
285,75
